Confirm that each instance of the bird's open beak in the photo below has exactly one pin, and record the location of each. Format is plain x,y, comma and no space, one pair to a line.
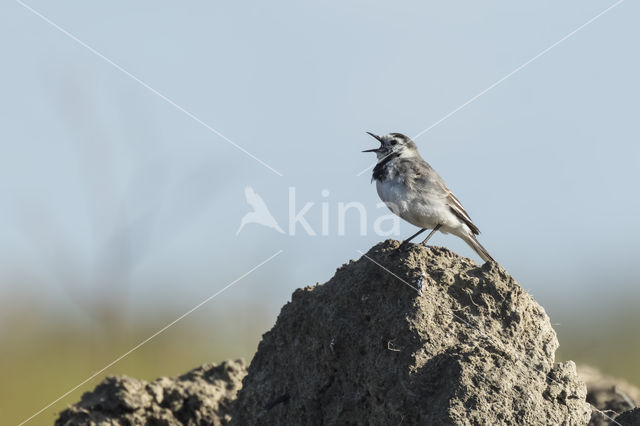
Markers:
378,138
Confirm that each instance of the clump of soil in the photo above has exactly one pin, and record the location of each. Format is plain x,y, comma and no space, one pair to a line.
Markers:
629,418
401,336
611,395
411,336
202,396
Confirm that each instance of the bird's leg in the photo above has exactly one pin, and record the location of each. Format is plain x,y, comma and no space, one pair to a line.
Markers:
405,242
431,234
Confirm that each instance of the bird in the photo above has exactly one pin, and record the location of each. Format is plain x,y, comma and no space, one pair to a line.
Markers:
260,213
413,190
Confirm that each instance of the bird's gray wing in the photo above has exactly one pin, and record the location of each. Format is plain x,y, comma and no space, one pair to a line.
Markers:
458,210
426,179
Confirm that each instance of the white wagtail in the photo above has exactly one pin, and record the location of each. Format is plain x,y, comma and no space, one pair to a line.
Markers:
414,191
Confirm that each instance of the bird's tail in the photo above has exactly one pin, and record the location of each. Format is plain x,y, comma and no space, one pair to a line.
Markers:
477,247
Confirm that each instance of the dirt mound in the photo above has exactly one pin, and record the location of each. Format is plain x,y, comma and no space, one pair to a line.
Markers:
411,336
401,336
611,395
200,397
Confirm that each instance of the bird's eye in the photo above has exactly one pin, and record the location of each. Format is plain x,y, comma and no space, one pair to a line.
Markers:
394,142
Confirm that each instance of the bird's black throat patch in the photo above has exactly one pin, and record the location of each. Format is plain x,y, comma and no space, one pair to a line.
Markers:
380,170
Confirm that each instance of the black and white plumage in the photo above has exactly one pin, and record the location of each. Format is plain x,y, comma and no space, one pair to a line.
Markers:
410,187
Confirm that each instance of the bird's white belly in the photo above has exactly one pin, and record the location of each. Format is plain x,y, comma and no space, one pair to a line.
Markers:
415,208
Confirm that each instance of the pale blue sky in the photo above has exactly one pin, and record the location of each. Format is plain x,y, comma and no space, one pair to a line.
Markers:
101,179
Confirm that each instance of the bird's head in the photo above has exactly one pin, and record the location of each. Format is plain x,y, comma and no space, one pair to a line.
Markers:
393,143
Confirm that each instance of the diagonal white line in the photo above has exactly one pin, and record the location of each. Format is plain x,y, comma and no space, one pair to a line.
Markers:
145,85
482,332
163,329
519,68
510,74
403,281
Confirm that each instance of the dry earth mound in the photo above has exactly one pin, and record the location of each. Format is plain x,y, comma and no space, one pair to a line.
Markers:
411,336
200,397
400,336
